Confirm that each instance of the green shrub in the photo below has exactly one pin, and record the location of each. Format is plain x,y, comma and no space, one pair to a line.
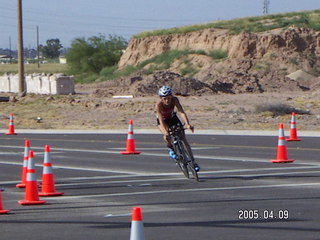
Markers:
110,73
218,54
278,109
188,70
294,61
86,77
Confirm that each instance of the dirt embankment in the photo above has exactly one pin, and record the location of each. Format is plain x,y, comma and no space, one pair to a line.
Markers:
244,45
256,62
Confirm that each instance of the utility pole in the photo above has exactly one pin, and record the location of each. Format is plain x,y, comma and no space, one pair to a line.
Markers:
266,4
22,91
10,51
38,55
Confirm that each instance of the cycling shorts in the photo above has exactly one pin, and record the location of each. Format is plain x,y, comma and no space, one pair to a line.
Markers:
172,121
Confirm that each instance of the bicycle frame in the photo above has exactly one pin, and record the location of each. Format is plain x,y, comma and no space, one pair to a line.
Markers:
175,133
184,159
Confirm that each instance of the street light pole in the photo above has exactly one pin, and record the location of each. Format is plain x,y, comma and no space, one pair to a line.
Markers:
20,49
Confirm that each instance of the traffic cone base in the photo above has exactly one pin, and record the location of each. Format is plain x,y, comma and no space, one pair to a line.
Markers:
293,139
128,152
2,211
50,194
282,161
27,202
10,133
21,185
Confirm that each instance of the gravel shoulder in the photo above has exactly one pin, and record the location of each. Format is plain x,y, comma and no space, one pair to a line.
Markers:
88,111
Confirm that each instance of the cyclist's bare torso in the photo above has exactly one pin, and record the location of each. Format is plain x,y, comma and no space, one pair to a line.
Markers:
165,107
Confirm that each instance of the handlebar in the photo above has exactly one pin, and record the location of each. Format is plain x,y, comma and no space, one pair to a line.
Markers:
176,128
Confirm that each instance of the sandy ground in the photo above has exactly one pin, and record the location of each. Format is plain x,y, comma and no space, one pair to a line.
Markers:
85,110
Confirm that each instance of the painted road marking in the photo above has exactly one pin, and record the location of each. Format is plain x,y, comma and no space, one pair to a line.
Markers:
292,185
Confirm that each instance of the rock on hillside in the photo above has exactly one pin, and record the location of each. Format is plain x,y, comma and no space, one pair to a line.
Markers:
256,62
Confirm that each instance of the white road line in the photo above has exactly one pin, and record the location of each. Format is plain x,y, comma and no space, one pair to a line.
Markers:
218,158
293,185
117,215
313,166
177,178
164,148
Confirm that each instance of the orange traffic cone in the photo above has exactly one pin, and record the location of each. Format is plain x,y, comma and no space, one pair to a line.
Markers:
282,155
48,188
25,164
11,126
31,191
131,145
2,211
293,129
137,232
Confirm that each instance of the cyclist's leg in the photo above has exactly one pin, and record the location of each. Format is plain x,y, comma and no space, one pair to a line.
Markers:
175,120
166,138
163,130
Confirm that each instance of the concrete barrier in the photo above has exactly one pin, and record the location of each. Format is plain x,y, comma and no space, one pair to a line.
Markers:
39,84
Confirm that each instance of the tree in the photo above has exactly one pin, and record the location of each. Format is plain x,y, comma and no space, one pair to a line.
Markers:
94,54
52,49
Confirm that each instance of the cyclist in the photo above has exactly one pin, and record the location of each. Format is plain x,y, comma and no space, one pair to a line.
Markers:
166,117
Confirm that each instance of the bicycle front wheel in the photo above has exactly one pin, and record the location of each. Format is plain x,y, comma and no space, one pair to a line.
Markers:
180,159
184,168
190,161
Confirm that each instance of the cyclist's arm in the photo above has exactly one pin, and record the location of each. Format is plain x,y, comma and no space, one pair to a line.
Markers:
183,114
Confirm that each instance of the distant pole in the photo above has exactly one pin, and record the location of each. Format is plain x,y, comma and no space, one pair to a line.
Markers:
266,4
20,49
38,46
10,51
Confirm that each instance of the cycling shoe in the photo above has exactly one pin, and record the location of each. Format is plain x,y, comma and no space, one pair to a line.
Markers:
196,167
172,154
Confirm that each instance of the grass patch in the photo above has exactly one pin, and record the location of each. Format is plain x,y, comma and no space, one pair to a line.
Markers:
218,54
188,70
262,66
307,19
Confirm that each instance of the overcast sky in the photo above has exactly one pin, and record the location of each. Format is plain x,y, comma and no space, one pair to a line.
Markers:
70,19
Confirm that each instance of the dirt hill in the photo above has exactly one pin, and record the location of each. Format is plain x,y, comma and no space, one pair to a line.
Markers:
255,62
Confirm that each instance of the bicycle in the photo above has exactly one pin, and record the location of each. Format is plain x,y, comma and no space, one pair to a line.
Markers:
184,159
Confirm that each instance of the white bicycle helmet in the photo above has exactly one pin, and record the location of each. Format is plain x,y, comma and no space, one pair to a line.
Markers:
165,91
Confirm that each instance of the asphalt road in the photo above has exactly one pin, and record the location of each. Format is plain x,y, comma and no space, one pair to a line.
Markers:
241,195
